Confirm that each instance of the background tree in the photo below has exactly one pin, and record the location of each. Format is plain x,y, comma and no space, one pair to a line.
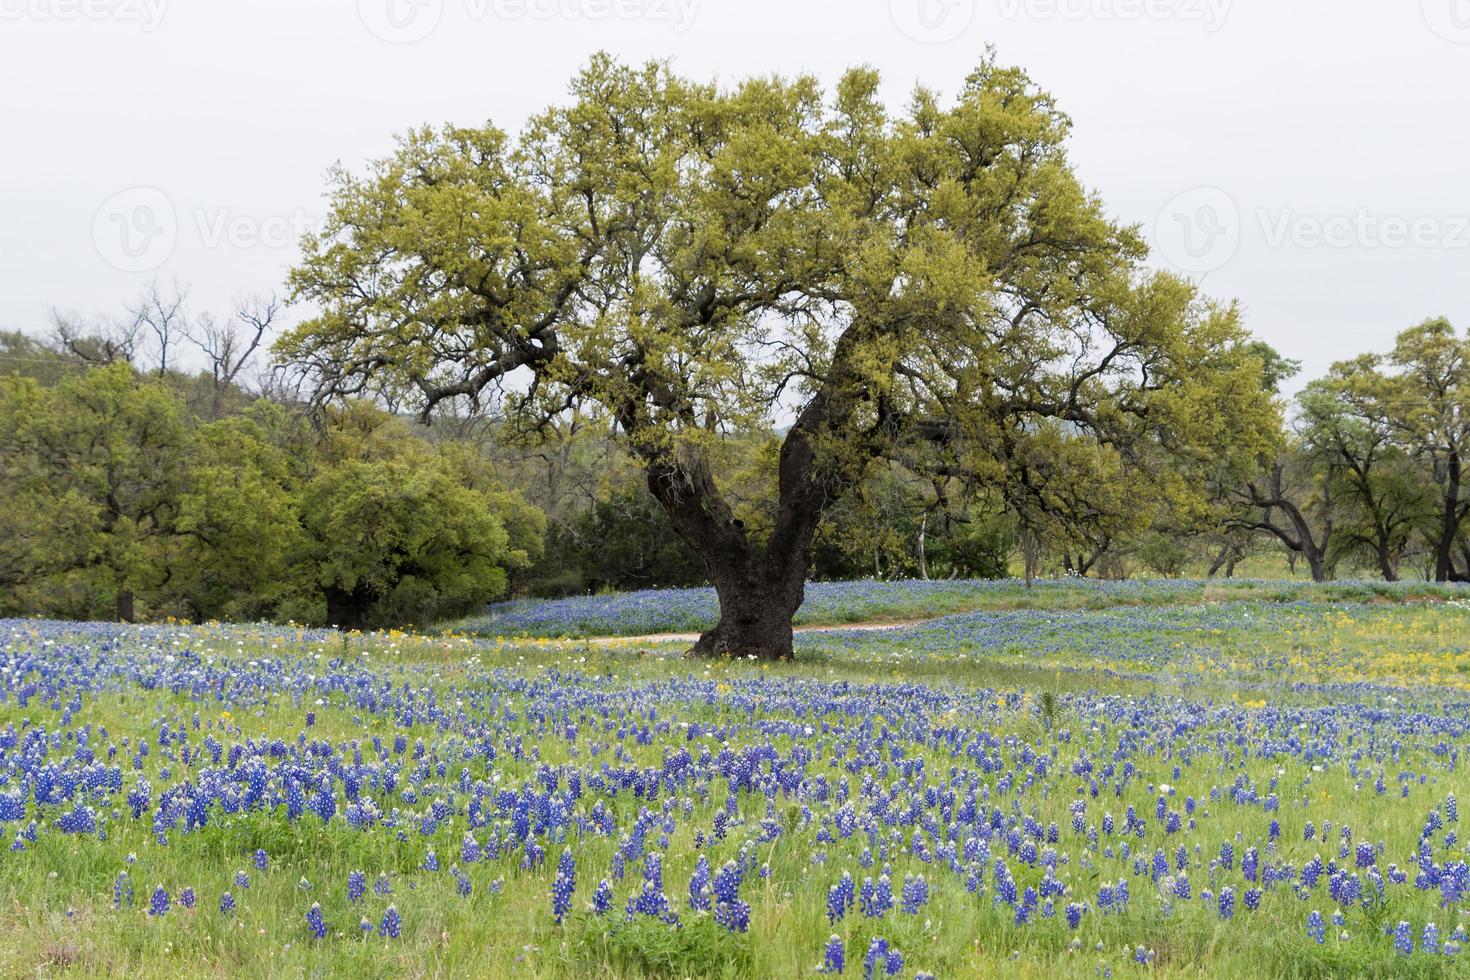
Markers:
697,263
1345,430
1293,499
1427,401
110,446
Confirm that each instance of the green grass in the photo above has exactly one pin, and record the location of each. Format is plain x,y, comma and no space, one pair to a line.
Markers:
58,919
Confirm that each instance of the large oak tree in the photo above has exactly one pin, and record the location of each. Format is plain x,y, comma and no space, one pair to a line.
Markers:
695,263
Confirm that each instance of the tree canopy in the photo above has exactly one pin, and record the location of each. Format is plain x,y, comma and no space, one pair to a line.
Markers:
934,287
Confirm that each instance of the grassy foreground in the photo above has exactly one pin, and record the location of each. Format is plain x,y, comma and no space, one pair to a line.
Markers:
1159,789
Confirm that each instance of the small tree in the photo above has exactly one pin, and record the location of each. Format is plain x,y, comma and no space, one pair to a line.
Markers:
110,452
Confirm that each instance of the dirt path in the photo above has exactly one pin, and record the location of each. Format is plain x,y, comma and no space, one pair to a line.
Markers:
693,637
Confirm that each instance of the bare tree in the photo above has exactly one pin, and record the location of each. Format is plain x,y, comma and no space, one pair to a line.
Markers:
161,312
230,345
98,341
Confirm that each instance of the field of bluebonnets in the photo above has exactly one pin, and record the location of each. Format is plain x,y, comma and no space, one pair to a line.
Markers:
1081,780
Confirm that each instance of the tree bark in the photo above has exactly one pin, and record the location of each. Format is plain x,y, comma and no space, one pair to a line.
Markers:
757,603
125,607
923,555
1444,564
1386,564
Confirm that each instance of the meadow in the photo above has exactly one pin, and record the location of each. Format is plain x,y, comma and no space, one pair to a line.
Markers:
654,612
1080,780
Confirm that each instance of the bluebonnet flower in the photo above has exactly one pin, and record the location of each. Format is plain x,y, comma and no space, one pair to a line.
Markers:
356,886
122,890
383,885
1074,914
392,924
734,916
316,922
1227,902
187,898
158,904
242,880
262,861
727,882
700,888
834,957
227,903
915,893
602,897
840,898
1315,927
564,885
881,959
1403,939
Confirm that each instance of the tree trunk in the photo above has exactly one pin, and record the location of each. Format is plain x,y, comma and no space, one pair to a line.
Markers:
1444,565
923,556
1386,565
756,608
760,588
125,610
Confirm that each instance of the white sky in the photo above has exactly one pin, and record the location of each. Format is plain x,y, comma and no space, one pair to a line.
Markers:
1308,157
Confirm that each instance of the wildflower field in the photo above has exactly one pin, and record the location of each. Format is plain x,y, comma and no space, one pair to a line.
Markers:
1132,780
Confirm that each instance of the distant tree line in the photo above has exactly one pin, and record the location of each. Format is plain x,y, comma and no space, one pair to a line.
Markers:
133,489
130,488
1371,471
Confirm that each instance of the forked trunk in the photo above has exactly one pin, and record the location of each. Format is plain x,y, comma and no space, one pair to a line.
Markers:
756,609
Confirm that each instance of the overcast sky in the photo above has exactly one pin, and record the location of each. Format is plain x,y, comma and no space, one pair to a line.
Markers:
1306,157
